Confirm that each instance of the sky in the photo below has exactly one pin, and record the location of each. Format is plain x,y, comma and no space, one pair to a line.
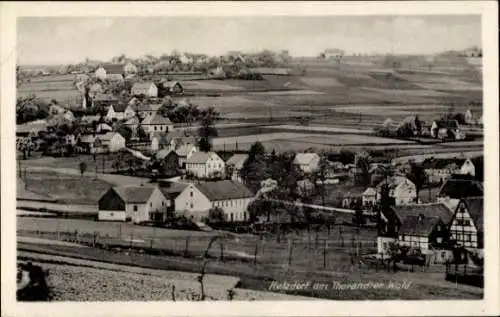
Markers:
58,40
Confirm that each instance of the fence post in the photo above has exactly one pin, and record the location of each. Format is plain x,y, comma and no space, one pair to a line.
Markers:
221,251
186,247
324,253
120,230
255,254
290,249
76,237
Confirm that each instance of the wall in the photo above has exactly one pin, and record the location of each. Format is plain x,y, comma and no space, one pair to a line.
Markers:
214,165
196,205
405,194
383,244
236,207
414,241
117,143
157,201
465,233
112,215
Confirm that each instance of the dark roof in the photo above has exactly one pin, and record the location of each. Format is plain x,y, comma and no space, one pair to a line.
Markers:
452,124
156,118
461,188
475,207
135,193
200,157
427,210
171,189
224,190
418,226
442,163
113,68
105,97
120,107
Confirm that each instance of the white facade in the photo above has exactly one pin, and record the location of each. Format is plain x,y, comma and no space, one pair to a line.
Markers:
383,244
100,73
462,228
405,193
113,144
468,168
414,241
141,212
369,196
214,165
307,162
191,202
112,215
150,91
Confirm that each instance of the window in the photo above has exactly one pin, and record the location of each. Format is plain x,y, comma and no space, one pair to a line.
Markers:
191,193
232,217
191,205
155,128
219,166
151,204
162,203
135,207
231,203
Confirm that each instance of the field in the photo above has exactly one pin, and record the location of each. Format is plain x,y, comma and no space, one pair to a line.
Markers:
319,257
67,188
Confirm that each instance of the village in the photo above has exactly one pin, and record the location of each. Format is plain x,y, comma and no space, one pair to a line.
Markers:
128,160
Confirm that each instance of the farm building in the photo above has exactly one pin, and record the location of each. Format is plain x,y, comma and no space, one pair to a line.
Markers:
184,151
424,226
120,111
439,170
447,129
169,159
400,188
136,203
109,142
156,123
173,87
105,70
198,198
236,162
205,165
467,223
453,190
147,109
306,162
148,89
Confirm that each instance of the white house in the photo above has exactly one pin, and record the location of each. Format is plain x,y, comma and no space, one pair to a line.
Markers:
104,71
130,68
110,142
401,189
369,196
205,165
156,123
468,168
136,203
198,198
237,161
307,162
184,151
467,223
147,109
148,89
133,123
103,128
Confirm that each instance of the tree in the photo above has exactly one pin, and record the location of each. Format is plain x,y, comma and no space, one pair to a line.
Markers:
141,133
256,150
126,132
216,215
364,171
417,176
83,167
206,132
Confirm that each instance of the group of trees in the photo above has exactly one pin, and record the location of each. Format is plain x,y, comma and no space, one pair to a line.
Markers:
31,108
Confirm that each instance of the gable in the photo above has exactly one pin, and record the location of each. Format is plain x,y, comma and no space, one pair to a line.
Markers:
111,200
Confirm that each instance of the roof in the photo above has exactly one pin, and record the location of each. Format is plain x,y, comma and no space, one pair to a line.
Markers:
199,157
135,193
113,68
418,226
104,97
172,189
224,190
120,107
393,182
442,163
453,124
163,153
461,188
156,118
91,118
108,136
171,84
143,85
28,127
304,158
476,211
148,107
237,160
427,210
133,120
183,149
114,76
87,138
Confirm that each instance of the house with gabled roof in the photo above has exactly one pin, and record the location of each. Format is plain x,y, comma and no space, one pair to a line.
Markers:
400,188
205,165
236,162
455,189
467,225
307,162
147,88
447,129
104,70
135,203
198,198
423,226
120,111
173,87
156,123
147,109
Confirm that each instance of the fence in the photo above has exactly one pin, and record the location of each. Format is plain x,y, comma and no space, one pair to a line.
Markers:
338,250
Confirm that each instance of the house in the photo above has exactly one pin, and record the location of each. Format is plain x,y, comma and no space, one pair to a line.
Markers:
268,185
136,203
173,87
424,226
115,77
56,110
148,89
90,119
205,165
169,161
104,100
333,53
439,170
184,151
171,190
467,226
120,111
33,128
147,109
236,162
133,123
105,70
156,123
468,168
86,142
377,172
454,189
307,162
103,128
400,188
109,142
447,129
68,115
369,197
197,199
305,187
159,141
